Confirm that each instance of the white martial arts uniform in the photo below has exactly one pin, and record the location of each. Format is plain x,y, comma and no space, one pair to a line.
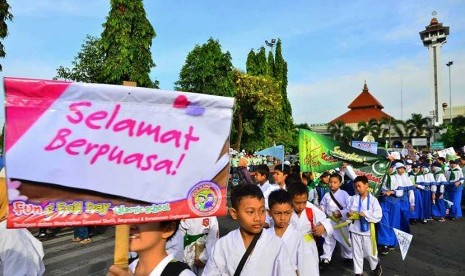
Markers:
328,206
264,187
269,257
20,252
160,267
200,234
302,224
361,241
300,250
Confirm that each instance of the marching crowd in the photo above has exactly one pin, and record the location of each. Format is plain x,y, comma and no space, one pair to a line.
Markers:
292,226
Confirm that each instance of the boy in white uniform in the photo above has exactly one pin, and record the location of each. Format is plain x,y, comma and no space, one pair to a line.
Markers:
269,255
369,210
308,219
301,251
334,204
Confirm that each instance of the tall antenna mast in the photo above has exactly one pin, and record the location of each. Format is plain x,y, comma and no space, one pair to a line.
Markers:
401,101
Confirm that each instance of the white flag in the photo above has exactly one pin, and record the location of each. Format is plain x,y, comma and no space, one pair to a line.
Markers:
404,239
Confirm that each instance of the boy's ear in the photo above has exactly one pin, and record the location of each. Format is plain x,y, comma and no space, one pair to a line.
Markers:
233,213
169,230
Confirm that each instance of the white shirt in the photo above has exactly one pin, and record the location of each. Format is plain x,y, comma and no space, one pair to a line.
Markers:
403,180
328,206
303,225
264,187
20,252
269,257
373,214
160,267
304,256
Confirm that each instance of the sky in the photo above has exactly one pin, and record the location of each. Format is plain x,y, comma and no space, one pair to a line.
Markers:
331,47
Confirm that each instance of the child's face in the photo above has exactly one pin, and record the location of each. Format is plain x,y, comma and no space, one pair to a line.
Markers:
260,178
147,236
325,179
281,214
279,177
362,188
299,202
334,184
251,214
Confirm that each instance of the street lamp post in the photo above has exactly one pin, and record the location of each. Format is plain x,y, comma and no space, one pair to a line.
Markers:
271,43
449,64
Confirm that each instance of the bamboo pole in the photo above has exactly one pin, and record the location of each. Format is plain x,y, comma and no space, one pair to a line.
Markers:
120,257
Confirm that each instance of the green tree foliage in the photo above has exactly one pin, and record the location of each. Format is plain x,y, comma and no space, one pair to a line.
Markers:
126,41
371,127
257,99
262,65
280,123
271,69
455,133
207,70
5,16
281,76
418,126
251,64
87,65
340,132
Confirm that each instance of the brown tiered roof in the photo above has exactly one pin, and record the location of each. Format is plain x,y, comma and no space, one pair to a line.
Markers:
364,108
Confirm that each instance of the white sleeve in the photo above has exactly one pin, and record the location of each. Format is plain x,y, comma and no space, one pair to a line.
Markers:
375,213
441,189
211,268
411,197
18,256
434,188
324,204
320,218
211,239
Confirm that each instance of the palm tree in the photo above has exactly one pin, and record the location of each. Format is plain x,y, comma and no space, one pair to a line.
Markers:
387,125
418,126
340,132
371,127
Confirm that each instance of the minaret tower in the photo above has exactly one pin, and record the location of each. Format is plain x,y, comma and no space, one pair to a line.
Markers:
433,37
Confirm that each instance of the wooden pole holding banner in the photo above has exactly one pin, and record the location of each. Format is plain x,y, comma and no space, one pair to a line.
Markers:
120,257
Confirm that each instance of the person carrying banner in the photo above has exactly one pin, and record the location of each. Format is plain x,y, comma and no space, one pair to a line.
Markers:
249,250
363,238
438,211
300,250
391,213
20,252
149,241
334,205
307,218
454,189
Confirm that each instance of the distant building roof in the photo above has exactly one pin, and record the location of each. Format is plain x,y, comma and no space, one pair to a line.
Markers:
362,109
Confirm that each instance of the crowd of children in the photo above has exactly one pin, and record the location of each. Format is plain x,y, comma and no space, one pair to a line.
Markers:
291,227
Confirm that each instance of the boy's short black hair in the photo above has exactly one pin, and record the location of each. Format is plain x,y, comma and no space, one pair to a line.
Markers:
263,169
297,189
245,191
361,178
325,174
283,168
337,175
280,196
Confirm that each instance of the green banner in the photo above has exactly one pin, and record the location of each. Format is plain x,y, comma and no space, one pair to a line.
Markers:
319,153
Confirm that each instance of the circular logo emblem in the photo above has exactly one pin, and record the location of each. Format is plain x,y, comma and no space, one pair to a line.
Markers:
204,198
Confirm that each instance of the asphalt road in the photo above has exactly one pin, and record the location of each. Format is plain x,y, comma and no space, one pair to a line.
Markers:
437,248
